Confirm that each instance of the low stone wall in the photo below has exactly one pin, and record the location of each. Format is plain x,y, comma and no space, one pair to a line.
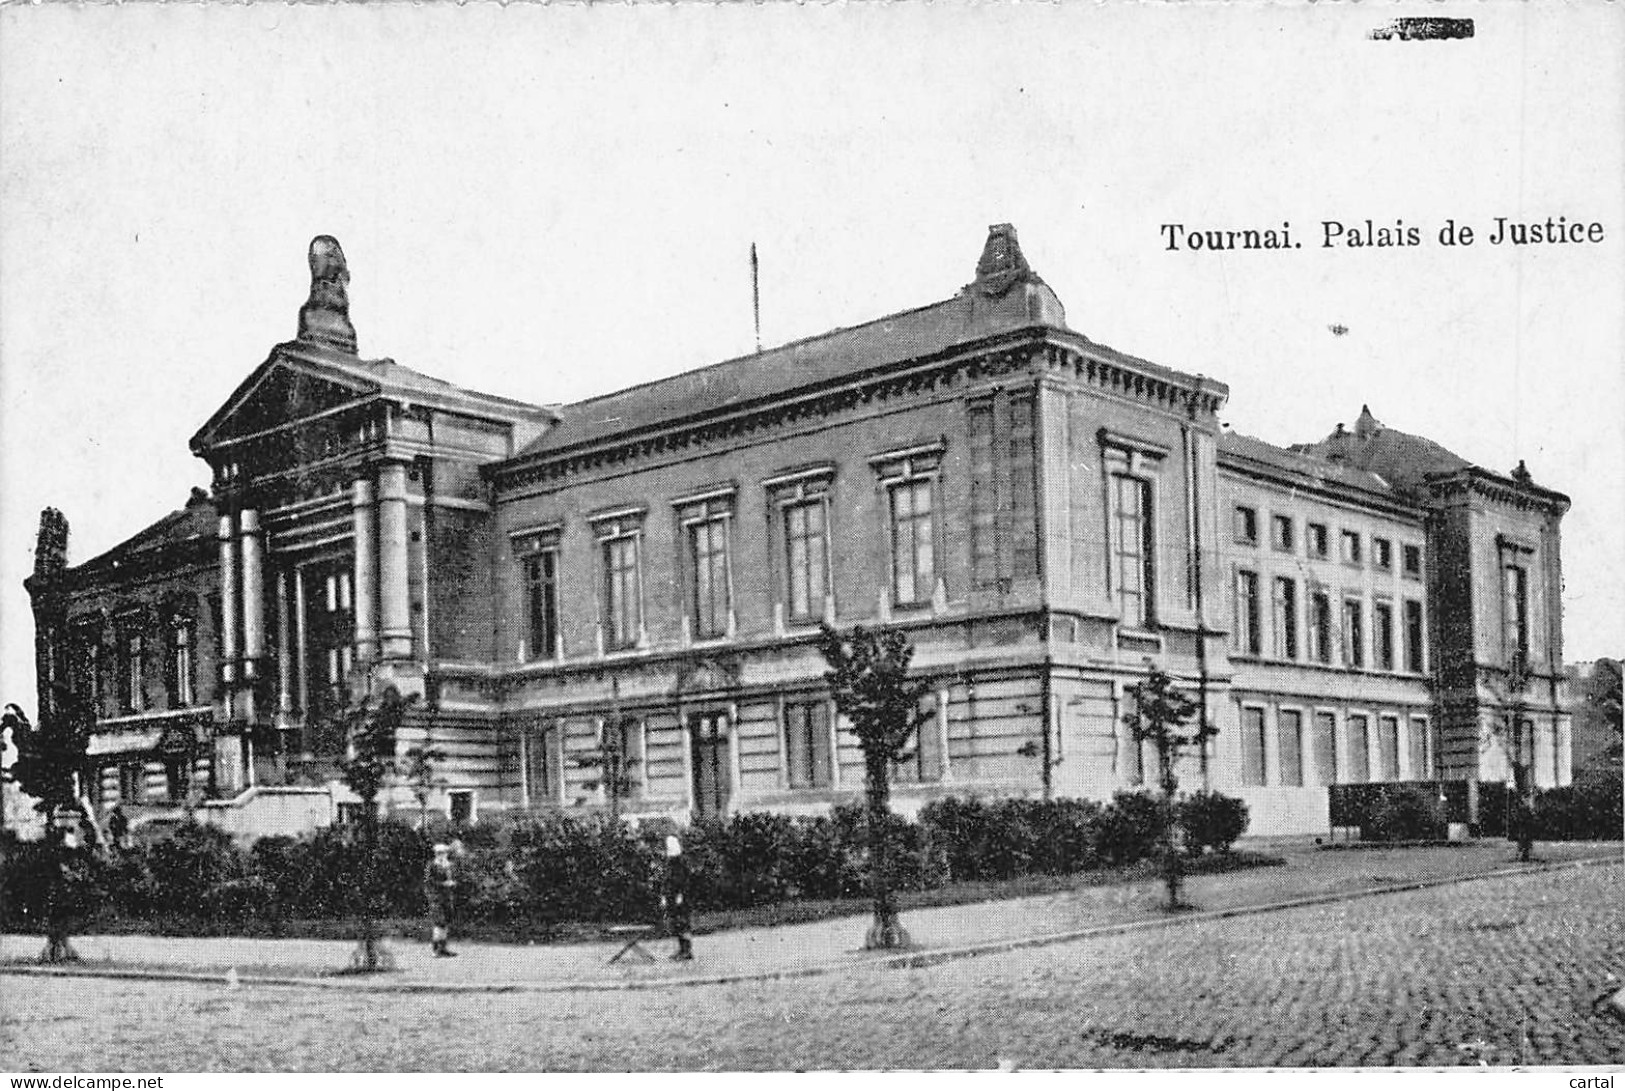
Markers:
1277,811
262,812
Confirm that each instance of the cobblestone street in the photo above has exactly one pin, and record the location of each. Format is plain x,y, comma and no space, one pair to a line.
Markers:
1504,971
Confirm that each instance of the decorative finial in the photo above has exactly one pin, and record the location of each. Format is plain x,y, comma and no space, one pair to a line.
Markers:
325,317
51,545
1521,474
1367,425
1002,263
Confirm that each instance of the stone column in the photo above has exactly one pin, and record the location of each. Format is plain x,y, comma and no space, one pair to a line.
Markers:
253,604
284,650
366,574
301,652
394,604
228,605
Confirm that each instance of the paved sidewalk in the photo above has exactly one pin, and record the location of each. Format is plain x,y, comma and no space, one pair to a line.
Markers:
793,950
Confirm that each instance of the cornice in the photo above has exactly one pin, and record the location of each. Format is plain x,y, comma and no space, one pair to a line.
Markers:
1476,481
1040,349
1245,466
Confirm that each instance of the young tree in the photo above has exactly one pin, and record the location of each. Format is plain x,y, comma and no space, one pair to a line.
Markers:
1515,733
370,728
868,676
50,760
1161,715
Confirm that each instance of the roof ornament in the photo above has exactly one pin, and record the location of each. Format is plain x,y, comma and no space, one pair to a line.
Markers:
1002,263
325,317
1521,474
1367,425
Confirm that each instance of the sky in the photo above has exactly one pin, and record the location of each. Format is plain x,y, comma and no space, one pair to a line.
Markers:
552,202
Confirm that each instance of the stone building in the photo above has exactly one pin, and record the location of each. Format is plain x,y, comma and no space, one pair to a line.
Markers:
615,602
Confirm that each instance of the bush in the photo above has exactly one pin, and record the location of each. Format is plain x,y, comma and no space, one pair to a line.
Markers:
29,868
1012,837
1580,812
1211,820
1130,826
1073,841
185,871
1405,813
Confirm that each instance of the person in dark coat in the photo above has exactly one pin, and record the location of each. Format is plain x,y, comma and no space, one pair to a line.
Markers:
118,827
439,889
674,899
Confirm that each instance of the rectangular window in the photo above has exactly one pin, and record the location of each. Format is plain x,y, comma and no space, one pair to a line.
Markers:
1320,627
1414,637
1133,758
1132,568
132,662
1515,615
914,574
1359,749
179,674
1326,747
1382,554
1290,725
623,600
1421,768
708,577
1281,533
1388,748
542,770
620,758
1246,525
1382,632
1351,548
1286,617
132,781
1411,557
1252,746
542,595
87,665
807,744
1353,633
1249,640
460,806
1318,541
805,554
924,762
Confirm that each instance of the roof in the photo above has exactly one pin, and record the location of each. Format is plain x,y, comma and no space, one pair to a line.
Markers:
197,520
340,377
1399,457
1006,295
747,379
1320,471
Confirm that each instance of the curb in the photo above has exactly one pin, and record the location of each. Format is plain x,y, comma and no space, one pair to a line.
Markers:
909,961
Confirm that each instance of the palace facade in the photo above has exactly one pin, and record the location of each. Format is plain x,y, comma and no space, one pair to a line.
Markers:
620,597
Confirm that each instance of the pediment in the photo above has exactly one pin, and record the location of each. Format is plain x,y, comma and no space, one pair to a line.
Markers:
280,392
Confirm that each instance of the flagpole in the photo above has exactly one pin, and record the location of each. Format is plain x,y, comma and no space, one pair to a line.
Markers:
756,294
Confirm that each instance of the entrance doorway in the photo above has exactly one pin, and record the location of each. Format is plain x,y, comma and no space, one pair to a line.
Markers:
708,738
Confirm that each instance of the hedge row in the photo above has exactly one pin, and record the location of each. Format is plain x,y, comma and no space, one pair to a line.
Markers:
537,874
1579,812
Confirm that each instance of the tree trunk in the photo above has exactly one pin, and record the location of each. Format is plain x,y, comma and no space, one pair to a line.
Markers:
370,954
57,925
887,932
1173,864
1523,811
